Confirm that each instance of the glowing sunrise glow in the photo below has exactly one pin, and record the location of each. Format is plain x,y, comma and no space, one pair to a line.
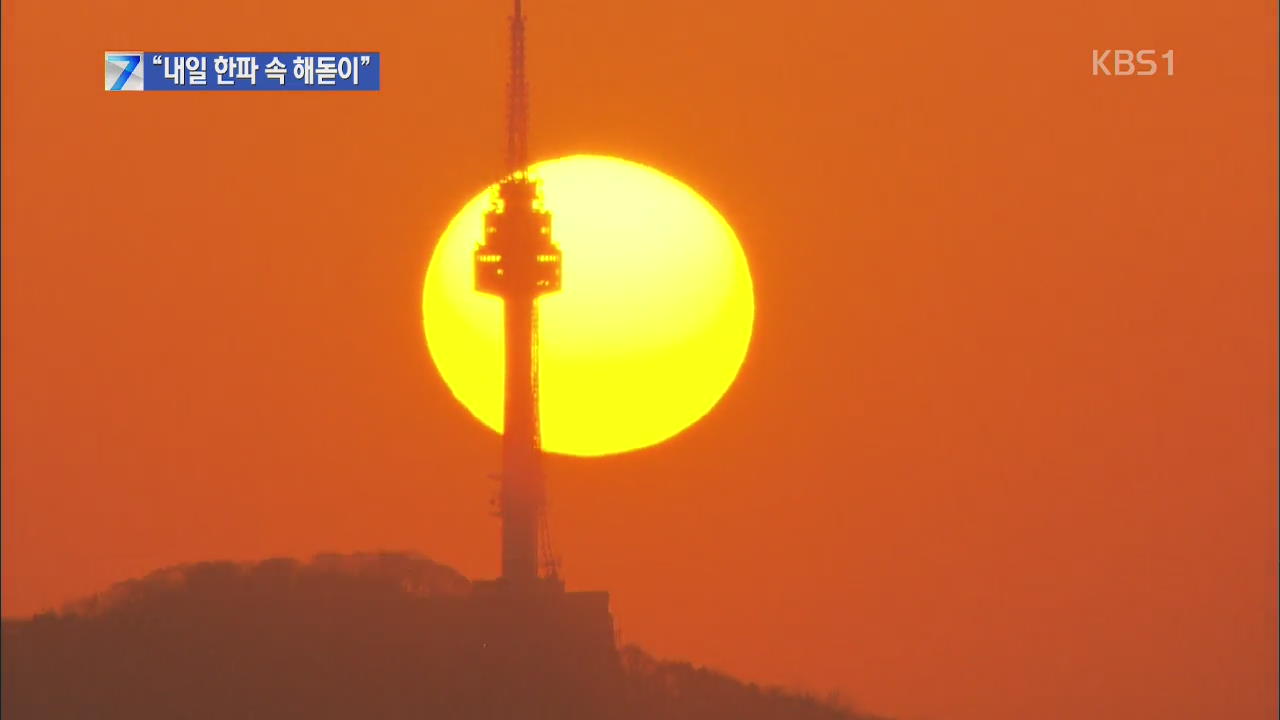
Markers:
651,326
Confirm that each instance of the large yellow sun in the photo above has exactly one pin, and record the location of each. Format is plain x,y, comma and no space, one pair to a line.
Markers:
648,332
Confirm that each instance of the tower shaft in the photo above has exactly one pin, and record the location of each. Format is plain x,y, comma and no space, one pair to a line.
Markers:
523,485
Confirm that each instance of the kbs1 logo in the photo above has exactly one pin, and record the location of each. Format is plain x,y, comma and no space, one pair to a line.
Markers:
1125,63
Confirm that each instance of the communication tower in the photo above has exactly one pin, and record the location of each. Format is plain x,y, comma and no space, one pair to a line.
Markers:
517,261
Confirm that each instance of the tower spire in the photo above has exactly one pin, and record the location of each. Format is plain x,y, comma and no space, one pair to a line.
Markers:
517,98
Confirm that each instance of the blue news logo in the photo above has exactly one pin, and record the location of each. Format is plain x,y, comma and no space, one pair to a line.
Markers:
124,71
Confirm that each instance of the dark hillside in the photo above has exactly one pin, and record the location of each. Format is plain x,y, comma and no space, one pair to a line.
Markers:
361,636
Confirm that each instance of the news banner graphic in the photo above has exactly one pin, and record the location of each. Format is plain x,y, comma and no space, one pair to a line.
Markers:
139,71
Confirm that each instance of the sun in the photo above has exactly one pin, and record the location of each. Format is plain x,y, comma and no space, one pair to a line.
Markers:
648,332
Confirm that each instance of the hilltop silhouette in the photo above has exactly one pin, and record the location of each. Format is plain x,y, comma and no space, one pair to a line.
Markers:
341,636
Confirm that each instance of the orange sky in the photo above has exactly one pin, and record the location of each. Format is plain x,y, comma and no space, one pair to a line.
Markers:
1004,446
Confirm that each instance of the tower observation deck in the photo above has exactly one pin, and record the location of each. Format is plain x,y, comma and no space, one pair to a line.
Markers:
517,261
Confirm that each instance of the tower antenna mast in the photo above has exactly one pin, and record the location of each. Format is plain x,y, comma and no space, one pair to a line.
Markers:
517,98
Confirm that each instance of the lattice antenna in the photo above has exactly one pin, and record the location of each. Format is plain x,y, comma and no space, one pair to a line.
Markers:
517,98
